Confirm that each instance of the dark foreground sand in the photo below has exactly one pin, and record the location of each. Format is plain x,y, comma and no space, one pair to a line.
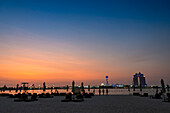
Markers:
97,104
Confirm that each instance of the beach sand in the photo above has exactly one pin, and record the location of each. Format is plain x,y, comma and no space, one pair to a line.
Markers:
97,104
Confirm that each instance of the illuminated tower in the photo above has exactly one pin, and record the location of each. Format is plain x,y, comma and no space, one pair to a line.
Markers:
135,79
141,78
107,82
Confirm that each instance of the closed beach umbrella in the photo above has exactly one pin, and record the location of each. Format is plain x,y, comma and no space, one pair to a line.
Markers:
67,88
73,83
167,87
82,87
44,86
163,86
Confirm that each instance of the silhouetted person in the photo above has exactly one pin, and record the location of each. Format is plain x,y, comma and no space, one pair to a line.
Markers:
17,87
99,91
103,91
140,87
156,89
167,87
51,89
73,83
129,88
133,87
88,88
82,88
4,88
9,89
33,88
93,91
20,89
67,88
107,91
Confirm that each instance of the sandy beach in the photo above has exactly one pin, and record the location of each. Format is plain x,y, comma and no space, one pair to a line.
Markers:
97,104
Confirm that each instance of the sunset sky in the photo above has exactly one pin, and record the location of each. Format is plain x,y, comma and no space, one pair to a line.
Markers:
58,41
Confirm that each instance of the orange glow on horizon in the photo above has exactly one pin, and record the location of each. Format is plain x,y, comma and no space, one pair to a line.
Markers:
37,65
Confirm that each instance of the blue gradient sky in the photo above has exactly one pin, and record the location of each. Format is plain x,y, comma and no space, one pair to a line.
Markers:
85,40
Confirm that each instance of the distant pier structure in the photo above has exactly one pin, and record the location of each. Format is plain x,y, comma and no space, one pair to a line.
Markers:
107,82
139,79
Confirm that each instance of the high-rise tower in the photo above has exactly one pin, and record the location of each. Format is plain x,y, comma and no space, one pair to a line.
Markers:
107,82
135,79
141,79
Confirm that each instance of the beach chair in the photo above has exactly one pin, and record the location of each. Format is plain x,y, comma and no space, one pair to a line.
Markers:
41,95
18,100
136,94
55,94
48,95
22,97
86,95
167,99
91,94
11,96
68,98
144,95
33,98
79,98
4,94
62,94
156,96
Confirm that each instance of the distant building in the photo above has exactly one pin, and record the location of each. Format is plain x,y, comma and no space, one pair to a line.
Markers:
138,77
135,79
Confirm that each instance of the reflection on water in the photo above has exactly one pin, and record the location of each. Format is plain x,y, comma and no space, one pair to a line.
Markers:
111,91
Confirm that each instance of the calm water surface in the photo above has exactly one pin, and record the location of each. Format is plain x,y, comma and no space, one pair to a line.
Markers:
96,91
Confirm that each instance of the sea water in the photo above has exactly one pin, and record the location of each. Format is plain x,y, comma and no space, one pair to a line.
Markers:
115,91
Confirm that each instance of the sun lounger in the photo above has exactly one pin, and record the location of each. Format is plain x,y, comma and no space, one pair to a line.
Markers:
144,95
166,100
47,95
87,95
78,100
68,98
136,94
26,99
156,96
62,94
18,100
